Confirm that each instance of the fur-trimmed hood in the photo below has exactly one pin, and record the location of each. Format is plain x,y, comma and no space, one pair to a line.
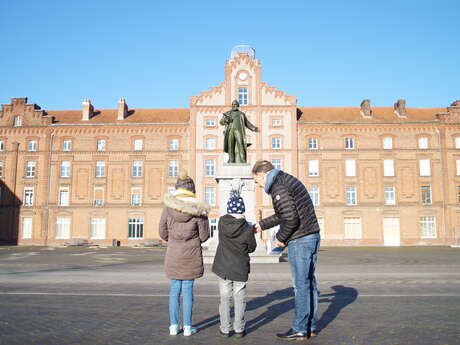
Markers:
188,205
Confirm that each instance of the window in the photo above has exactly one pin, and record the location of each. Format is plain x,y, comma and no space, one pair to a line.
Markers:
137,168
135,228
98,228
210,167
388,143
2,145
210,123
388,167
313,167
351,195
28,196
136,197
210,143
137,144
276,122
349,143
62,228
65,169
352,228
390,195
457,165
67,145
350,167
458,194
1,169
17,121
426,195
322,231
428,226
26,228
98,196
173,168
171,189
425,167
457,143
314,194
276,163
313,143
30,169
101,145
212,226
243,95
64,196
100,168
276,143
423,143
210,195
173,144
32,145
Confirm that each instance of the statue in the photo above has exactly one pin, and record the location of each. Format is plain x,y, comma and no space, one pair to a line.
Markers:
366,108
236,122
400,107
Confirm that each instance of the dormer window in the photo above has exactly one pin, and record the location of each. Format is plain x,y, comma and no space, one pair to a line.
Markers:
243,95
17,121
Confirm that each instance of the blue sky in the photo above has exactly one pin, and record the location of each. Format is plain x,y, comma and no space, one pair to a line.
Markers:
158,53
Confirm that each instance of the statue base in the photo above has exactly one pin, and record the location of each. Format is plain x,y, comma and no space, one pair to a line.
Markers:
238,174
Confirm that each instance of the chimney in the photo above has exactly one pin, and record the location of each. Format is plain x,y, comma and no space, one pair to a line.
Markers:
88,110
122,109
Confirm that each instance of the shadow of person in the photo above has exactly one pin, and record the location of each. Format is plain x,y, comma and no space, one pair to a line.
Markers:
339,299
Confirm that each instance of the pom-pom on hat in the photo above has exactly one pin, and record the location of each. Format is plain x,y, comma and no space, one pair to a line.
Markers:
185,182
235,204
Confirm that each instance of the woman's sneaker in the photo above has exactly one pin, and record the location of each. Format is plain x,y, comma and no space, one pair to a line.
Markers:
189,330
174,329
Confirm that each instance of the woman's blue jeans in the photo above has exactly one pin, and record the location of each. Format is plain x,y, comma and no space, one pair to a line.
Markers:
302,257
176,287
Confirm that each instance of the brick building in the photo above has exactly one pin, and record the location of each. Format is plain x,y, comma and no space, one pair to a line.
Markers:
377,175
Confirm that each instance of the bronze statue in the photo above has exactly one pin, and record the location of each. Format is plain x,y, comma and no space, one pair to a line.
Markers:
236,122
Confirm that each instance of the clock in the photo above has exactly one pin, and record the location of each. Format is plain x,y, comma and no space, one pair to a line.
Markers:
243,76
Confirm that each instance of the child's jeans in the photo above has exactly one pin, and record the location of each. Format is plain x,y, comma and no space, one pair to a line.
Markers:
186,286
227,290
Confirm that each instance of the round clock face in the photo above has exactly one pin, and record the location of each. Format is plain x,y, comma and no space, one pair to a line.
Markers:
243,76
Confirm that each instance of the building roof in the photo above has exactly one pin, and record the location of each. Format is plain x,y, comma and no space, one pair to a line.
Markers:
140,115
379,114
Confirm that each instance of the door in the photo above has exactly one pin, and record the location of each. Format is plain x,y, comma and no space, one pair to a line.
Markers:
391,235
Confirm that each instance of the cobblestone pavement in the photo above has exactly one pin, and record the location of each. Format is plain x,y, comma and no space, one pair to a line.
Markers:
77,295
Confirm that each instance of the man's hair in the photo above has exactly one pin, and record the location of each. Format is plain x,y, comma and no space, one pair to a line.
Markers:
262,166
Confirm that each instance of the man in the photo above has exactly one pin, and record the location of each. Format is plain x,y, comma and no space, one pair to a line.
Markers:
236,122
299,231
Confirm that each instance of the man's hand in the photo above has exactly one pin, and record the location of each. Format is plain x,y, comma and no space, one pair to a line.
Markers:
279,244
257,227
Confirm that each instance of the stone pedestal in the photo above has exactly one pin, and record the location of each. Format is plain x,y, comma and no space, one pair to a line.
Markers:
230,174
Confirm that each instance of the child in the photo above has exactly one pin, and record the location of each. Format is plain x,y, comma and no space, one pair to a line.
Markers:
184,224
231,264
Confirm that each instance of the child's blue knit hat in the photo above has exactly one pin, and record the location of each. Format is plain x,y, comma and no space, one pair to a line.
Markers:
235,203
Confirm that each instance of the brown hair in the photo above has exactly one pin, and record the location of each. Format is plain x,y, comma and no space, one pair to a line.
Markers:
262,166
186,182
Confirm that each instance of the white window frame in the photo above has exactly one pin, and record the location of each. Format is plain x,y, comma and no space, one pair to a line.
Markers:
135,228
314,194
313,143
67,145
388,168
173,168
1,168
457,142
27,228
31,167
277,122
457,167
137,168
423,143
32,145
276,143
350,167
277,164
424,192
210,167
428,227
351,195
17,121
313,168
349,143
387,143
29,195
64,200
97,231
210,195
101,144
2,145
136,196
389,195
425,167
210,123
65,169
352,228
210,143
62,230
243,95
138,144
173,144
100,168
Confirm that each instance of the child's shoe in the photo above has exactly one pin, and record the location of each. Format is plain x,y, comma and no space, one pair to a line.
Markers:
189,330
173,329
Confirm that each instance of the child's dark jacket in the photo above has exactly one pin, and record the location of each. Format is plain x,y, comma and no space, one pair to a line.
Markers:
236,241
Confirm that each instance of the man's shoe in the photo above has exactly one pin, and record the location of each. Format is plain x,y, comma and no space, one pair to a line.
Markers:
292,335
174,329
189,330
313,334
223,334
240,334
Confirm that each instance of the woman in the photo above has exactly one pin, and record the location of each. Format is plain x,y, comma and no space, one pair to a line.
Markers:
184,225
